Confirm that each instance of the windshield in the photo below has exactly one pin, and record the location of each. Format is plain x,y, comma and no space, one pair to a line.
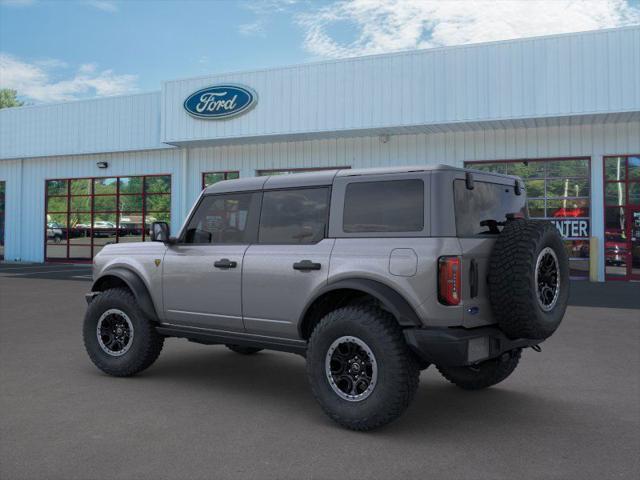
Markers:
483,210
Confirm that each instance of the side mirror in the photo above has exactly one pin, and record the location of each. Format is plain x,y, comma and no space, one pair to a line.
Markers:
160,232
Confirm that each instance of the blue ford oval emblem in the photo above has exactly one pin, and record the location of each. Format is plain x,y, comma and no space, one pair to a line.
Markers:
220,101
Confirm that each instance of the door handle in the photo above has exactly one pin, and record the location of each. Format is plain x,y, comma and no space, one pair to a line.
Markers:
225,263
306,265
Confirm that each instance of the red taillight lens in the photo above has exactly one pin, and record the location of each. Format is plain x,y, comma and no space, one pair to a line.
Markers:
449,280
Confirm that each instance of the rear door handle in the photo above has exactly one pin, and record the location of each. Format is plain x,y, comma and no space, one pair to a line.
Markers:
225,263
473,279
306,265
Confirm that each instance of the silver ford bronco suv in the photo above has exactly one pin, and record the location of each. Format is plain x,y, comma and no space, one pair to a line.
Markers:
372,275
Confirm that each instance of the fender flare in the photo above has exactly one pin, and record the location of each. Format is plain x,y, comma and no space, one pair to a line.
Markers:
395,303
135,284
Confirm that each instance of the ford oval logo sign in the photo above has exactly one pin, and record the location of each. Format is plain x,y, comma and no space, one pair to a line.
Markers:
220,101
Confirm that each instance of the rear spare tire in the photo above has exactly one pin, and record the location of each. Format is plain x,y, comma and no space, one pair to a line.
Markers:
529,279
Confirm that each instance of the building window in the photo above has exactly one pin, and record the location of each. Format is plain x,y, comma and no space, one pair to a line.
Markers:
287,171
209,178
558,190
622,217
85,214
2,211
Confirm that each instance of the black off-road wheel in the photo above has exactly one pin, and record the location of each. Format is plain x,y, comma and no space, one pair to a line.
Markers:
118,337
242,349
483,375
360,369
529,279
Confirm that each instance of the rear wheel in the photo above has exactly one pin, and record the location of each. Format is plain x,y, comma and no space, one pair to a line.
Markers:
360,369
483,375
118,337
243,350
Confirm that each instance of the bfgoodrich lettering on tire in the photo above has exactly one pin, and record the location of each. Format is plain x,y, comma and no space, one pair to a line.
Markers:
118,337
359,367
529,279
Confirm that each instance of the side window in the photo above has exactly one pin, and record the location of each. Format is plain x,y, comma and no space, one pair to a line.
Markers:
229,218
297,216
384,206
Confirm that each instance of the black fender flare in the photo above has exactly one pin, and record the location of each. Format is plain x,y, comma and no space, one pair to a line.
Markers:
135,284
395,303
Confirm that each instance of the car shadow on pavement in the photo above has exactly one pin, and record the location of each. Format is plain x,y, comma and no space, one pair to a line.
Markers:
278,382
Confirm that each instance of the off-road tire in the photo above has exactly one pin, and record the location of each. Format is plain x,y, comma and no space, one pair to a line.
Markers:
242,349
483,375
398,372
512,286
146,344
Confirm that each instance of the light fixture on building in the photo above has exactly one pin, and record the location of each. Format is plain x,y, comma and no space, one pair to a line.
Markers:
102,164
384,138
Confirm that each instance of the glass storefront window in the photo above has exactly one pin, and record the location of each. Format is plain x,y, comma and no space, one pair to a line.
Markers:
614,168
614,193
209,178
85,214
633,167
80,187
560,191
622,222
105,186
57,187
131,185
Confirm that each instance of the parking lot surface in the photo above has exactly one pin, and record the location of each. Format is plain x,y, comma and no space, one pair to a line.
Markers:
572,411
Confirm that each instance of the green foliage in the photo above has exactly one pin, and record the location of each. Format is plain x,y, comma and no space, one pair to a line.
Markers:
8,98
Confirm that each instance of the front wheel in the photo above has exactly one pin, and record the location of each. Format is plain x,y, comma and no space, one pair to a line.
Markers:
118,337
485,374
360,369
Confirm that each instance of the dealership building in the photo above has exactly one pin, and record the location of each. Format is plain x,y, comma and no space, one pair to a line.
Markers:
561,111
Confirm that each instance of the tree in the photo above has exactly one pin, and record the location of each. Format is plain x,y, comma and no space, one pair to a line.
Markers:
8,98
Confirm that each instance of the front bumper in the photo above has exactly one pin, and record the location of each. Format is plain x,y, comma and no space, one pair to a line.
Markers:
457,347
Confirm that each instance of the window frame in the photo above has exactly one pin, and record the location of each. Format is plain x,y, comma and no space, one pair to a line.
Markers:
91,212
325,233
254,234
626,207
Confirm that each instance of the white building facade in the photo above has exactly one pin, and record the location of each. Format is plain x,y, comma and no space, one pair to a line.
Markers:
561,111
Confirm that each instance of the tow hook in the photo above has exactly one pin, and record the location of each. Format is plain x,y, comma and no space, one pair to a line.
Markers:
536,348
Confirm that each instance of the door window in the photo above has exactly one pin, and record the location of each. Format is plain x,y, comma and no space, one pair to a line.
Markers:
224,219
295,216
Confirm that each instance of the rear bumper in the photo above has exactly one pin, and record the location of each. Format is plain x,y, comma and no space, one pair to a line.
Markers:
453,347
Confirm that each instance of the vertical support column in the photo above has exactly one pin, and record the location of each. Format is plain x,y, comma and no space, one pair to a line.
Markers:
17,248
183,206
596,258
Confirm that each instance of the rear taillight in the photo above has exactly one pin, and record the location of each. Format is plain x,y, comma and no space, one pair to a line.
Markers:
449,280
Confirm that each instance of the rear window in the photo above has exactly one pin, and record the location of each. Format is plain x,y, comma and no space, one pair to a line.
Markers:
384,206
483,210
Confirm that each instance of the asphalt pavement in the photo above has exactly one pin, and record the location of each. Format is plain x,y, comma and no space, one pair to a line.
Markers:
204,412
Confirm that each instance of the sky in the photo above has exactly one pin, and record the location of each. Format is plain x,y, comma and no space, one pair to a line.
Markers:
59,50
